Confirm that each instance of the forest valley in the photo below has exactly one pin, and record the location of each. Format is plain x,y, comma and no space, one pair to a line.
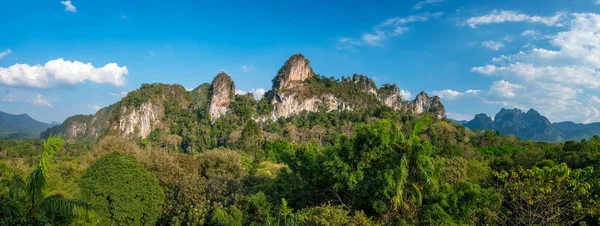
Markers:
313,151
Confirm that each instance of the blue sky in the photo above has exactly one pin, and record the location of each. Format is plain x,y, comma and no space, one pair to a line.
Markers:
60,58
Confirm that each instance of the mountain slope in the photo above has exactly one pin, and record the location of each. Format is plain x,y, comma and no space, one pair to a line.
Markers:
22,124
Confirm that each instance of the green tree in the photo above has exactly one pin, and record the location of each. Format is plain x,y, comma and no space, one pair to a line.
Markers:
549,196
28,194
252,136
122,191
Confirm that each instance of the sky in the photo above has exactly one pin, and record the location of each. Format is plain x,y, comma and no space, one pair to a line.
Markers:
61,58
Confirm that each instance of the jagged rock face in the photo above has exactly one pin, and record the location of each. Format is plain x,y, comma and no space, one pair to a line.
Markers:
142,119
221,95
389,95
288,105
425,104
366,83
286,86
76,129
294,71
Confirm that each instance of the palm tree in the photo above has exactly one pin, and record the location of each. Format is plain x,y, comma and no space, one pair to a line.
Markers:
416,173
41,209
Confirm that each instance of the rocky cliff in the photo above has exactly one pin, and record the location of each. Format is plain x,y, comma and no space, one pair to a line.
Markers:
296,88
222,94
426,104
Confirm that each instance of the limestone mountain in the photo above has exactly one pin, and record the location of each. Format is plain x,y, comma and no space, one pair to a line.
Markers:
169,112
138,113
222,93
531,125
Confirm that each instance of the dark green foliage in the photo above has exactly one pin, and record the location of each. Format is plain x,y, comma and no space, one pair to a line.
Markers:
200,97
122,191
252,137
550,196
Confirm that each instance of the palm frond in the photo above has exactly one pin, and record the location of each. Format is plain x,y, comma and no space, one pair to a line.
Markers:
397,200
416,194
17,186
58,205
52,146
36,181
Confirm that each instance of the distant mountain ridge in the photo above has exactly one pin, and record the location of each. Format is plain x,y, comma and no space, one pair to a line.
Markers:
20,125
531,125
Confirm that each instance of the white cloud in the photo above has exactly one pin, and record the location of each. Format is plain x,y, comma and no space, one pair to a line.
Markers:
597,1
405,94
120,94
502,16
531,33
453,94
69,6
492,45
424,3
595,99
374,39
347,43
60,72
388,28
95,107
8,98
557,80
40,101
5,53
256,92
505,89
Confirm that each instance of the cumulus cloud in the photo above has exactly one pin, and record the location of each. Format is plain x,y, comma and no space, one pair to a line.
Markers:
5,53
388,28
8,98
453,94
557,80
120,94
95,107
69,6
424,3
40,101
405,94
491,45
502,16
505,89
60,72
256,92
